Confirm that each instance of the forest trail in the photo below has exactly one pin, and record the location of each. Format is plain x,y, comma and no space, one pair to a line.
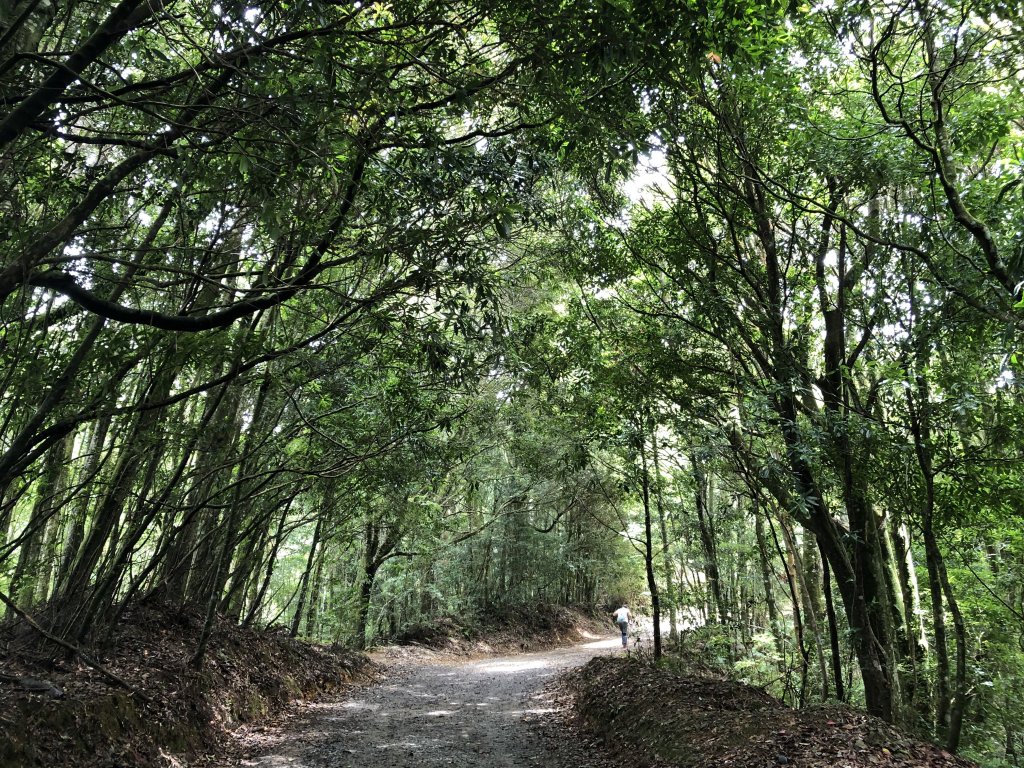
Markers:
474,712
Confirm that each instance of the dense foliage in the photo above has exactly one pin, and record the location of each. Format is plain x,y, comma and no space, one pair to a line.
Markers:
345,317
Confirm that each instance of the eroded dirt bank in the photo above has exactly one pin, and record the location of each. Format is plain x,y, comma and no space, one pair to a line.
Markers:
149,703
654,717
480,712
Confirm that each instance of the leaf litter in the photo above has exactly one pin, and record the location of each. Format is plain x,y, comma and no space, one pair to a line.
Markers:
661,719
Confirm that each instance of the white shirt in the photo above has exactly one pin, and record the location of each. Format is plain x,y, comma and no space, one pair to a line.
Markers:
621,614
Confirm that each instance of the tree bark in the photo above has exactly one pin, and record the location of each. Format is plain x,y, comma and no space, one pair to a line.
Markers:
79,504
707,540
24,581
854,571
670,587
652,582
141,440
918,684
304,580
785,555
256,603
833,628
769,592
961,697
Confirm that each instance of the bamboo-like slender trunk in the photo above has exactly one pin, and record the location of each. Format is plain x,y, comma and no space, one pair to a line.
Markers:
652,582
786,557
703,498
833,628
769,592
24,581
670,586
304,580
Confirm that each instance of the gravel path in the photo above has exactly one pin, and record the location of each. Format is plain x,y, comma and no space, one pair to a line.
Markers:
454,713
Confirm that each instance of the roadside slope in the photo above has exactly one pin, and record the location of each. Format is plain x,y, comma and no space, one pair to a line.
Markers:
163,705
700,722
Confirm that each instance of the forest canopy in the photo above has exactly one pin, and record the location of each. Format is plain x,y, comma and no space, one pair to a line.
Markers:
345,317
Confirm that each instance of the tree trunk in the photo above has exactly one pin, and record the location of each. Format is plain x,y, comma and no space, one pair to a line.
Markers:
652,583
189,575
833,628
24,582
707,539
785,555
313,612
137,522
141,441
917,679
379,545
854,571
79,504
252,537
867,590
798,589
307,574
369,575
810,558
961,697
256,603
809,507
670,587
769,592
220,570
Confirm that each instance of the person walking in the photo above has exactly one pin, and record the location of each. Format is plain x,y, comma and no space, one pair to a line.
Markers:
622,617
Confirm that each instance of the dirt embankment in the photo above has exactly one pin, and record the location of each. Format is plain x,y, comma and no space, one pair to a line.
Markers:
656,718
80,717
510,630
58,713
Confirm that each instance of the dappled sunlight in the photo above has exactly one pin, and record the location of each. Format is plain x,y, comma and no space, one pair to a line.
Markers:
405,745
512,667
360,705
538,711
476,708
419,694
599,645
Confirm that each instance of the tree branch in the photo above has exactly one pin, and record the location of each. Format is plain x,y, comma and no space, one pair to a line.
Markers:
122,20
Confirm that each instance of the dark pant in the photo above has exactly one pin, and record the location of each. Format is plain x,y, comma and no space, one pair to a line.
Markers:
624,629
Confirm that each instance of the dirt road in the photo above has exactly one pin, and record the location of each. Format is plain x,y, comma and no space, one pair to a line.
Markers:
453,713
